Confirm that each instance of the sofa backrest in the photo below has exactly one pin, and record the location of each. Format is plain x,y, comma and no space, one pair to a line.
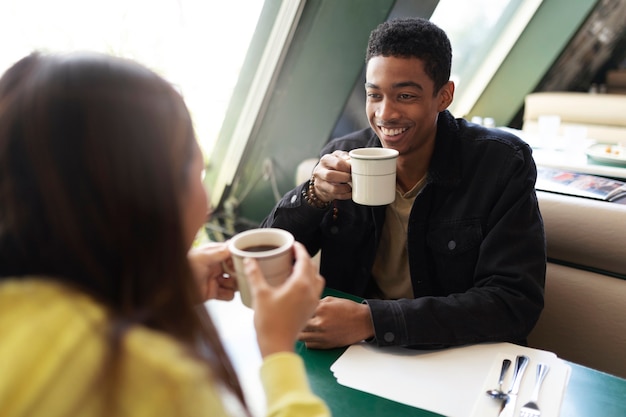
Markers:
604,115
584,232
584,319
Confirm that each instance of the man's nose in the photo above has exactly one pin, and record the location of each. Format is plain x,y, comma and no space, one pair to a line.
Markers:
386,110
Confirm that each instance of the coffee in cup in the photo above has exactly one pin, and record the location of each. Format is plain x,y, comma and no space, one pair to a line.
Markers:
373,175
273,250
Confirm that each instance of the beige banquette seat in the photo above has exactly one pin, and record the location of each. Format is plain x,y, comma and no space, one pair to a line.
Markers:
604,115
584,319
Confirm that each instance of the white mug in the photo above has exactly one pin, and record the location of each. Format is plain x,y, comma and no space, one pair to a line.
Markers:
373,175
272,248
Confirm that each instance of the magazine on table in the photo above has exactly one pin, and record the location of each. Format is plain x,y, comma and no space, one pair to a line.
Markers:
583,185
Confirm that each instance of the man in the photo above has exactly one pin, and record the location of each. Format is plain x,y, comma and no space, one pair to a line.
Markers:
459,257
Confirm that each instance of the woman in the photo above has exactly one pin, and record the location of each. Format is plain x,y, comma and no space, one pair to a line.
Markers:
100,183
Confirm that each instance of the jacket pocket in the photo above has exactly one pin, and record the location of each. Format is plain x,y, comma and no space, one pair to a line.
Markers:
455,248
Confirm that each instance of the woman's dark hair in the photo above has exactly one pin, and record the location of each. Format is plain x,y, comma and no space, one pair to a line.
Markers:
94,159
414,38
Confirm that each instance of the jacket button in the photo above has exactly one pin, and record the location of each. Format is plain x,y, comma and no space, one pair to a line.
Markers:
293,198
389,337
451,245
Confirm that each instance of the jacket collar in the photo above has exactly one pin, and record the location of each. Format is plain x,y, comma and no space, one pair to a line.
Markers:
445,164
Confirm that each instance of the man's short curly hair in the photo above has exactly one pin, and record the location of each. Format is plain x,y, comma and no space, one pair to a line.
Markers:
414,38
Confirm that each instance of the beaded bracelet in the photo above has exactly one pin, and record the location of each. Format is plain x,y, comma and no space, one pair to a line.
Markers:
311,198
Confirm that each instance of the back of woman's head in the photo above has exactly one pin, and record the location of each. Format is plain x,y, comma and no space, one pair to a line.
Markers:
93,154
95,158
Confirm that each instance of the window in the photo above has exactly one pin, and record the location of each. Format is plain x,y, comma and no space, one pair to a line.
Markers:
197,45
482,33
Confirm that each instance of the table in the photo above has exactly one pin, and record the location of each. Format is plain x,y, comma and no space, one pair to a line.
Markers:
568,157
577,161
589,393
344,401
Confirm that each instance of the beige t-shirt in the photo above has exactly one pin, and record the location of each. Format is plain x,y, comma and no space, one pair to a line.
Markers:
391,266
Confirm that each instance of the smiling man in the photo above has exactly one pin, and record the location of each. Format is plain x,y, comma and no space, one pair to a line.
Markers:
459,257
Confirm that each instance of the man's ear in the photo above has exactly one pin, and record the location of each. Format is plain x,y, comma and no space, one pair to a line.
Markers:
446,94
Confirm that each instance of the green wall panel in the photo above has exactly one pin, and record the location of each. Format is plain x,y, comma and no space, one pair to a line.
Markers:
551,28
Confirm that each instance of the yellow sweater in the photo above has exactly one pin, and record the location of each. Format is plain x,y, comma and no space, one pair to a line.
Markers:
53,343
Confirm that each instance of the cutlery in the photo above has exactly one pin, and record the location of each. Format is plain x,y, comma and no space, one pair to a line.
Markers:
498,394
531,409
520,366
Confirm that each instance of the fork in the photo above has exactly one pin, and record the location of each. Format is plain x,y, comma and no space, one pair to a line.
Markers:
531,409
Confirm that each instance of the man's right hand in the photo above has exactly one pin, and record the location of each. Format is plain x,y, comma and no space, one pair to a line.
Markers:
332,177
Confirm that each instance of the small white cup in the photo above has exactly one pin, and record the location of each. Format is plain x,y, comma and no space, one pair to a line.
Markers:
373,175
549,126
489,122
272,248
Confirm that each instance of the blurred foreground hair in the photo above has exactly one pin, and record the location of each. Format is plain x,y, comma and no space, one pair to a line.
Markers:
94,158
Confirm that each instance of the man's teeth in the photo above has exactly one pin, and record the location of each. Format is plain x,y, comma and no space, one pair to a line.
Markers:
392,132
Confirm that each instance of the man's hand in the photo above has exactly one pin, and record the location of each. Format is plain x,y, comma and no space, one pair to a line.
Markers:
332,176
207,266
337,322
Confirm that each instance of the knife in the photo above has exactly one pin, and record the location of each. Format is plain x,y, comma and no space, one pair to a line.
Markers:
520,366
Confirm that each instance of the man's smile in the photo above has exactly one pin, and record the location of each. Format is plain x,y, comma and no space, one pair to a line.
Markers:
393,132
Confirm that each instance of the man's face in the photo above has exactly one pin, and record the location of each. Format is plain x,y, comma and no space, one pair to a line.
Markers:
401,105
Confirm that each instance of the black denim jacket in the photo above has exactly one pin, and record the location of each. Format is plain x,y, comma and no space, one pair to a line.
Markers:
476,241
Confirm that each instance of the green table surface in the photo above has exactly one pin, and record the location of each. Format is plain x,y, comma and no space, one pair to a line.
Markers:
590,393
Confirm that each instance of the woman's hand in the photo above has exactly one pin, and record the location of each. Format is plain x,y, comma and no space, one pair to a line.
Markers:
281,312
207,266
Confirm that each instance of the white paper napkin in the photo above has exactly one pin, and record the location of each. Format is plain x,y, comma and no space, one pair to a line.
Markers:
451,382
